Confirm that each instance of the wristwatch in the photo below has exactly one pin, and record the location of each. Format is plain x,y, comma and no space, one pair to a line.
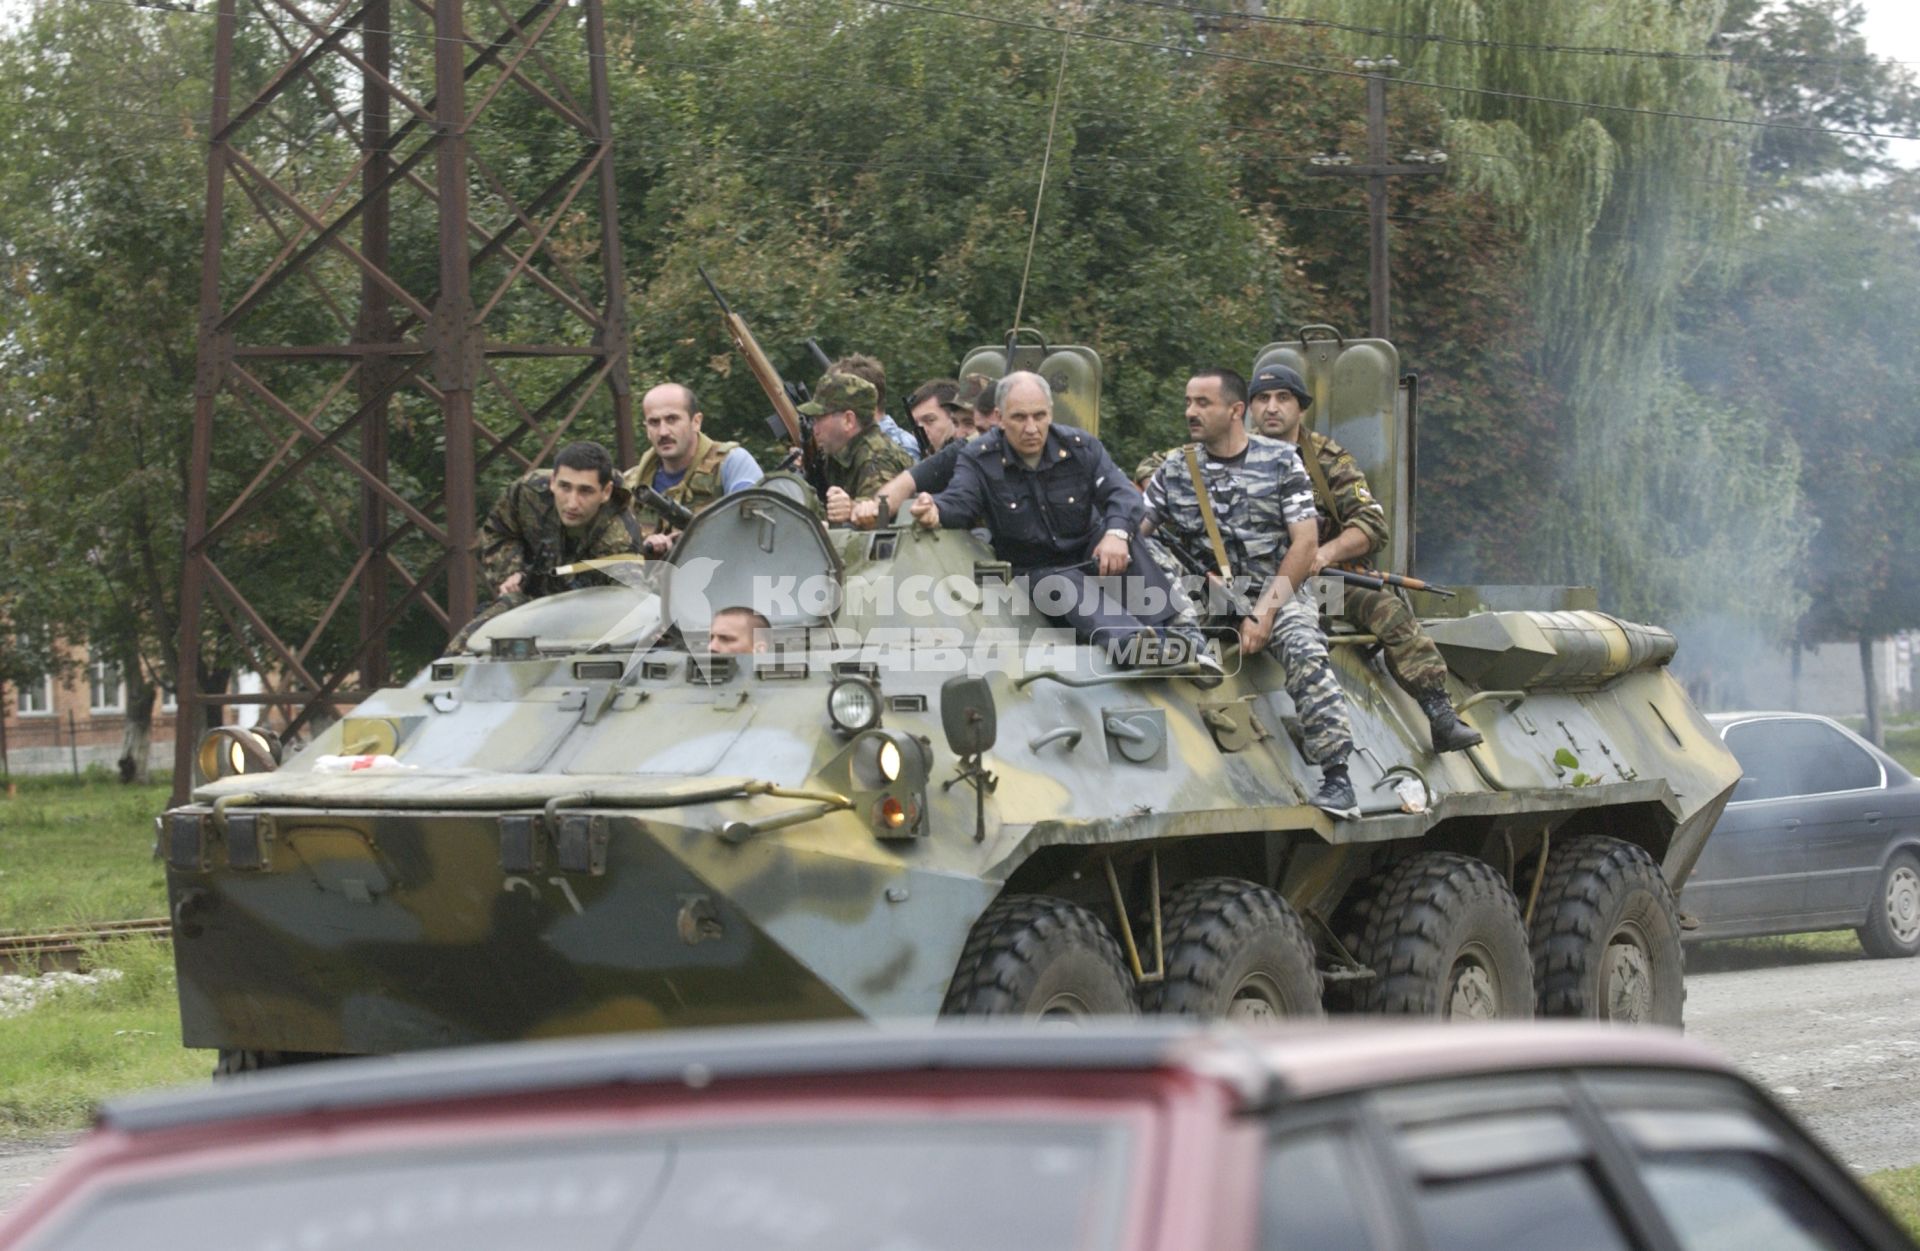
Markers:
1122,535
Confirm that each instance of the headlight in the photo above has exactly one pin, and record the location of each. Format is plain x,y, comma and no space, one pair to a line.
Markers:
853,705
229,750
889,761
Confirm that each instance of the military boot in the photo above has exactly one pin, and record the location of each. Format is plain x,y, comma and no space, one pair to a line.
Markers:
1335,796
1449,732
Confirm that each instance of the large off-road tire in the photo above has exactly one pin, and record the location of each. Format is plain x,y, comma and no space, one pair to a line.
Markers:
1443,936
1606,935
1893,921
1235,950
1036,956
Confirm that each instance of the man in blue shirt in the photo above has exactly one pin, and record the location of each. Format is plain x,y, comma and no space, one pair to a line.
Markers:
682,463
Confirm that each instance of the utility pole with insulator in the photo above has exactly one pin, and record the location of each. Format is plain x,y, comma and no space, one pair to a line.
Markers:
1376,169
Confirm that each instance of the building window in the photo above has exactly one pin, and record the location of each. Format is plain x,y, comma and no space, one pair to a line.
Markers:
105,691
36,697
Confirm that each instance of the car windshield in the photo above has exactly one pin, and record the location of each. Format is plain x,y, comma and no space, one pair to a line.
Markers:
943,1186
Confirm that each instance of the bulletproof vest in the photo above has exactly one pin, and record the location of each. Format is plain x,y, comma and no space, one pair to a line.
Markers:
701,486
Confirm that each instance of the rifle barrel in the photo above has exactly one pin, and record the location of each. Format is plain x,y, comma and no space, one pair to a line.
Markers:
724,307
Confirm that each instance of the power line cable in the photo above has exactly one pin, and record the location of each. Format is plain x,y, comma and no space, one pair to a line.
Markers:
1301,68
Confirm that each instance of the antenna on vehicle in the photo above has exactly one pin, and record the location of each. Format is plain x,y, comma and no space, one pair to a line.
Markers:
1039,195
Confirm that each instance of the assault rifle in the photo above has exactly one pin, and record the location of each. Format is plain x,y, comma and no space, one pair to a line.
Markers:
1374,579
797,429
675,515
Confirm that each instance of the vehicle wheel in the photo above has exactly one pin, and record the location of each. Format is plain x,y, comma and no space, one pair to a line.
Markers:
1036,956
1443,935
1606,935
1893,923
1236,950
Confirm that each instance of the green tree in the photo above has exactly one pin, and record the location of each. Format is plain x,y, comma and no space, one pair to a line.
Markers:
1620,201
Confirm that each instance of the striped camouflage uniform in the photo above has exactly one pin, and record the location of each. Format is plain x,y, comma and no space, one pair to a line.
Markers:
1255,499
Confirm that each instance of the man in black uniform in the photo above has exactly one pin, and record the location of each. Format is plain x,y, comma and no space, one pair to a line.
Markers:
1061,512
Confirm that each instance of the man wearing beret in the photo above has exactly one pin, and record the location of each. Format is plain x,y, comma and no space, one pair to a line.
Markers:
1353,527
858,456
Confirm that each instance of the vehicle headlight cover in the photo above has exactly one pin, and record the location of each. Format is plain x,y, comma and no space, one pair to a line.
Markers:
230,750
853,705
889,761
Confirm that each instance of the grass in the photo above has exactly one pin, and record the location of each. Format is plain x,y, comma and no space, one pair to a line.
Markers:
75,850
1734,954
83,1044
1903,743
1898,1190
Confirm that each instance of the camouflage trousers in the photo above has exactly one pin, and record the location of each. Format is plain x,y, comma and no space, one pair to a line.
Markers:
1322,706
498,606
1411,656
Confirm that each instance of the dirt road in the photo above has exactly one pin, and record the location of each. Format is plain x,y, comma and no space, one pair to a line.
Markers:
1836,1037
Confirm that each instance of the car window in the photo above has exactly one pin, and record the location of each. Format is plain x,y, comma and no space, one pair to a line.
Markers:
943,1186
1311,1195
1559,1206
1792,756
1737,1201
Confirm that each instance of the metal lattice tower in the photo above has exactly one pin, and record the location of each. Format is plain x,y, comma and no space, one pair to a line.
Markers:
418,281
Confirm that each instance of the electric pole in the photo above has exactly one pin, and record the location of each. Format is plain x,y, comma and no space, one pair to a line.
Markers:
1376,170
358,387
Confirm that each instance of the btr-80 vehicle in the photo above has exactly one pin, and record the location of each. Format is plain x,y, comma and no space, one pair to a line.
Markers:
919,799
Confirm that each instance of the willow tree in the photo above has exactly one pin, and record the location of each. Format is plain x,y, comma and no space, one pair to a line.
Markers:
1613,136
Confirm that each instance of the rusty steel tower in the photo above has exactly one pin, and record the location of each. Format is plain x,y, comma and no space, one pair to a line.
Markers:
412,277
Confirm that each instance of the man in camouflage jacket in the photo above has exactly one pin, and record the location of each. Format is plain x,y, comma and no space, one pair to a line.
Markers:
1262,503
578,510
1353,526
858,457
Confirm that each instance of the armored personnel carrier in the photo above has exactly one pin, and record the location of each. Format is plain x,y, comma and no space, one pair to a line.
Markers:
919,800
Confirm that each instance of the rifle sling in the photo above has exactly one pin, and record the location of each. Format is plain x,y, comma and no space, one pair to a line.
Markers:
1322,491
1206,513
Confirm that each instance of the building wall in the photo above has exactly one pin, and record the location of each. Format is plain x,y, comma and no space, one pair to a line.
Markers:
1824,679
64,728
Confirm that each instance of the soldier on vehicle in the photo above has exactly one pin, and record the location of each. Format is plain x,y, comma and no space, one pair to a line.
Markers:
934,411
578,510
737,631
975,397
681,462
860,365
1352,527
1256,521
1058,508
858,457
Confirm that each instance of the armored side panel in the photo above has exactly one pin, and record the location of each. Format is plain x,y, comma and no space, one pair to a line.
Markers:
1073,372
1357,402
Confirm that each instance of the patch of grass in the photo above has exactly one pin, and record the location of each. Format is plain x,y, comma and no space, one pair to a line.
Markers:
83,1044
75,850
1731,954
1898,1190
1903,744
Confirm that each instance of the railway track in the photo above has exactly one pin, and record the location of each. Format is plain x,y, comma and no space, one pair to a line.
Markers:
67,949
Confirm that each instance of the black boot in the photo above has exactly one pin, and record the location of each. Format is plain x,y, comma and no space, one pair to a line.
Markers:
1335,796
1449,732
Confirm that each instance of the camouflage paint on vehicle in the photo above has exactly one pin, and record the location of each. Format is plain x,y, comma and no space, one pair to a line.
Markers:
581,835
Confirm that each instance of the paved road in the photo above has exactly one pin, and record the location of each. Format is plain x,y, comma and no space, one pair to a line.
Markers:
1835,1036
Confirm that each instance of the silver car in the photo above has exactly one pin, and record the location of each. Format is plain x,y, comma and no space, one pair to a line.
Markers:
1822,833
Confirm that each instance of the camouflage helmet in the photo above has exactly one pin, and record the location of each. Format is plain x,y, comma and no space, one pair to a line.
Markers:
975,390
1280,378
839,392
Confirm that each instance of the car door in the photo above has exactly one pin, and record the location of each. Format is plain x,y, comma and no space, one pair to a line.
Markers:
1751,875
1846,825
